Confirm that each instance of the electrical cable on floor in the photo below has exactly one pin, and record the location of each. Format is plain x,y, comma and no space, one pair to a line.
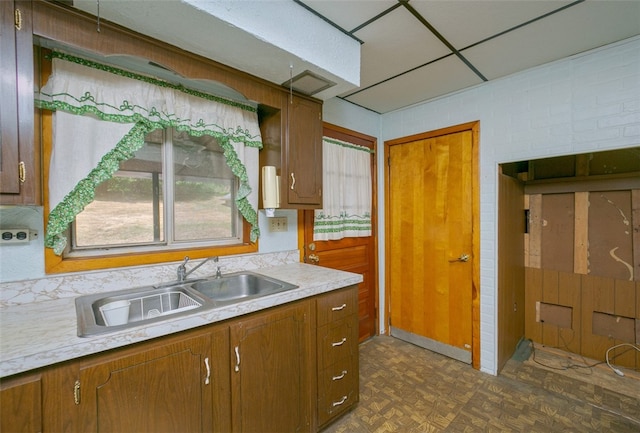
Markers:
617,370
571,366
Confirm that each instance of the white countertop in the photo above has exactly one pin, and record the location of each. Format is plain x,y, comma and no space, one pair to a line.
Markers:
45,333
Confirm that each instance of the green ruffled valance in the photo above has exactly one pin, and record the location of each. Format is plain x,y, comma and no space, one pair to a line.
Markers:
83,87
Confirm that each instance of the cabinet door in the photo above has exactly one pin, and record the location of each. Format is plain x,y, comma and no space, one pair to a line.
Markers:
21,404
165,388
270,375
304,154
19,181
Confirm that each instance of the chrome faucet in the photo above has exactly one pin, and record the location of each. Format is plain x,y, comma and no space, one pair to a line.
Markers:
182,269
218,271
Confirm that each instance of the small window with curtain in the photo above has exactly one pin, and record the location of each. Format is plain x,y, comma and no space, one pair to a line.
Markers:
141,165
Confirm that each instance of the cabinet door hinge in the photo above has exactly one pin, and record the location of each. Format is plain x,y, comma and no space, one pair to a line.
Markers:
76,392
17,19
22,172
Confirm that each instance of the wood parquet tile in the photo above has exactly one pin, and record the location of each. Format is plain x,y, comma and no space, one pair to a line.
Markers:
404,388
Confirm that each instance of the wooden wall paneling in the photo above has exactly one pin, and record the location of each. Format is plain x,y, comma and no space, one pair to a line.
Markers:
625,305
637,316
598,294
635,230
526,234
510,267
535,230
557,231
570,294
581,233
550,295
532,294
610,237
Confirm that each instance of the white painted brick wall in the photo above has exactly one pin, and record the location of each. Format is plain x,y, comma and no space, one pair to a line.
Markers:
589,102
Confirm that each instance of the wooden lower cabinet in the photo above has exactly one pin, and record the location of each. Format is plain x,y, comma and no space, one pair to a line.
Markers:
21,404
163,388
291,368
337,353
271,374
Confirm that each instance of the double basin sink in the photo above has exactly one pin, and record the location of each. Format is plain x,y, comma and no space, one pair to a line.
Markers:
107,312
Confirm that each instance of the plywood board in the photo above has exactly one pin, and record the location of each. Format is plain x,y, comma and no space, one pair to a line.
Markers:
610,235
554,314
558,220
613,326
581,233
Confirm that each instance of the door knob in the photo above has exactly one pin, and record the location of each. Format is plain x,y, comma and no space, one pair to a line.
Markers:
313,258
462,258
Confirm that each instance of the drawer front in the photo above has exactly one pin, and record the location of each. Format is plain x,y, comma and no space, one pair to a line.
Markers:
337,341
337,305
331,406
339,379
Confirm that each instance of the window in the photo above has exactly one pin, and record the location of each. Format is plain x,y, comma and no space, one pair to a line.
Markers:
139,171
176,192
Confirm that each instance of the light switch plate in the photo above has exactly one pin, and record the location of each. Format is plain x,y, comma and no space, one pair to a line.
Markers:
278,224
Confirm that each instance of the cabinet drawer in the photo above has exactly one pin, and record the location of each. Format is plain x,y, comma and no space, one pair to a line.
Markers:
337,305
330,406
337,341
340,378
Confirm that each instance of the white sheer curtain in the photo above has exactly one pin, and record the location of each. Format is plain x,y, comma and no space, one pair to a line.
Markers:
346,201
101,116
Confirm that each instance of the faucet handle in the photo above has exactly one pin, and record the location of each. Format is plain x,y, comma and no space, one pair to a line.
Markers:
186,259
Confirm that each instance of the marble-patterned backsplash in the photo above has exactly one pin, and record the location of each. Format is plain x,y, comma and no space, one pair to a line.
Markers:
77,284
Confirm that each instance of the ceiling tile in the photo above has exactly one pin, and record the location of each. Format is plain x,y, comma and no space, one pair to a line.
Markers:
577,29
394,44
436,79
463,23
349,14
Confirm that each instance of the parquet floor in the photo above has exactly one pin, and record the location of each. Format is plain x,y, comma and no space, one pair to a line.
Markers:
404,388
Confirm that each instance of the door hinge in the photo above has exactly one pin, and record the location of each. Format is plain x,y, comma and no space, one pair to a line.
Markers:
76,392
17,19
22,172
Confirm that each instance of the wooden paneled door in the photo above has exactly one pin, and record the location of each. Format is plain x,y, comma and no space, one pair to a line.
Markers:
356,255
432,243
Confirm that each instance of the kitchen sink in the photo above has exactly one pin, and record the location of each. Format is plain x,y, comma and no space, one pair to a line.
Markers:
118,310
106,312
240,286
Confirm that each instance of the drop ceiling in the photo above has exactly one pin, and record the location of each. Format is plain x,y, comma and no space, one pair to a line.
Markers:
417,50
411,51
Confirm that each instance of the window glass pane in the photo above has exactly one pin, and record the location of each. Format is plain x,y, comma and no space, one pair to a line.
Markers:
128,208
204,190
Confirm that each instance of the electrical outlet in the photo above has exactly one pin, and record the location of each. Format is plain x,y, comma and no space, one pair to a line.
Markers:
17,236
278,224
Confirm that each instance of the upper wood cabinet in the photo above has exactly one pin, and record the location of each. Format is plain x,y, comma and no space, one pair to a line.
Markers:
301,174
19,172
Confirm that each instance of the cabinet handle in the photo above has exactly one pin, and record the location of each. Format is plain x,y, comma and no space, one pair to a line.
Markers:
338,403
237,350
293,180
17,19
341,307
76,392
340,376
22,172
206,379
340,343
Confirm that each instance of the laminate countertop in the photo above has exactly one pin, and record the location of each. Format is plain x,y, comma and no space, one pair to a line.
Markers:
44,333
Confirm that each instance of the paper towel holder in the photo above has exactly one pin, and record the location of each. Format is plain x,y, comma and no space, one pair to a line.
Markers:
270,190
